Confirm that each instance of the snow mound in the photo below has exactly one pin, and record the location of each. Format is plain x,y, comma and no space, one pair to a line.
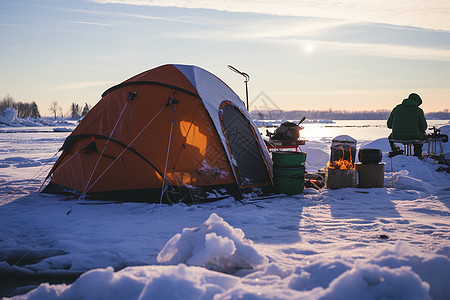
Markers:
382,144
410,173
402,180
214,245
434,270
367,281
446,130
396,272
162,282
10,119
317,157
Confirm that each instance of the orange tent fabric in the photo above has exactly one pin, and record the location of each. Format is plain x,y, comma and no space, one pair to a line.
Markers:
163,131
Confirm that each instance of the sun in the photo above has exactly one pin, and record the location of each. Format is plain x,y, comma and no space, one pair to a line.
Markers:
309,47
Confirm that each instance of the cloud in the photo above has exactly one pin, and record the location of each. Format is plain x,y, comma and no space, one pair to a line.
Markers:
331,36
91,23
381,50
431,14
186,20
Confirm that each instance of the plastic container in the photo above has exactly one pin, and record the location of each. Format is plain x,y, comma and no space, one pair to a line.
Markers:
288,159
369,156
289,181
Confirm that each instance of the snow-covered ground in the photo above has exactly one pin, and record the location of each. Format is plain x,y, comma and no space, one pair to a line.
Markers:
352,243
9,119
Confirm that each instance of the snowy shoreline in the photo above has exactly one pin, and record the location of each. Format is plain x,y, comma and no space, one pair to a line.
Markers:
323,244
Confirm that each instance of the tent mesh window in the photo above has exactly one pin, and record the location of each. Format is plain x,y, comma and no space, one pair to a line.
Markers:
244,147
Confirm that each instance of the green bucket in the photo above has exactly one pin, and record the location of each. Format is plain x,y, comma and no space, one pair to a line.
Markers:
289,181
288,159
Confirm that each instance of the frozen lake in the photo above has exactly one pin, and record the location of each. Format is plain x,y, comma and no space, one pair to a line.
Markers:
361,130
350,243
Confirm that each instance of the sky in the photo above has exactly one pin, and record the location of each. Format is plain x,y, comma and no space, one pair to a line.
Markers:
306,55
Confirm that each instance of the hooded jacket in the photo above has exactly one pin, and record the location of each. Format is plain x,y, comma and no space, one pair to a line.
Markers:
407,120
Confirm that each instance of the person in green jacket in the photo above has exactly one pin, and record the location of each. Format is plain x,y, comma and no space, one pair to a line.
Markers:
407,122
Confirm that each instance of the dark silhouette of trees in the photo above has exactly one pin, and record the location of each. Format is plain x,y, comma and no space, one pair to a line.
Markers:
86,109
34,113
381,114
8,101
24,110
440,115
75,111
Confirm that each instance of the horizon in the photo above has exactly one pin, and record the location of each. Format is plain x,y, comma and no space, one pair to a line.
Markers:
67,113
304,56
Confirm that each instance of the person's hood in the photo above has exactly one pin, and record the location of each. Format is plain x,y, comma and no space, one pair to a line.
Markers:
413,99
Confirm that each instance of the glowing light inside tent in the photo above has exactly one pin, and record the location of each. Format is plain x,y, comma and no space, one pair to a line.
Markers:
193,136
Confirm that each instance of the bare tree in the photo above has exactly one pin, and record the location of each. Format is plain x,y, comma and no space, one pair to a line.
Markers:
60,111
7,101
54,108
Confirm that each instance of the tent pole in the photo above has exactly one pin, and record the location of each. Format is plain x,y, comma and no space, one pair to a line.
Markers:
246,94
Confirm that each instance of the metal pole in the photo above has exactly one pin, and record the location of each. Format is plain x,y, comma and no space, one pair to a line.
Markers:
247,78
246,94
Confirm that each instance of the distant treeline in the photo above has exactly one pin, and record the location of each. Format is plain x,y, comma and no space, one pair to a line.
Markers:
25,110
381,114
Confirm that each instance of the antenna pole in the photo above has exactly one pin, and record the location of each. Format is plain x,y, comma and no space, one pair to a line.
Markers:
247,78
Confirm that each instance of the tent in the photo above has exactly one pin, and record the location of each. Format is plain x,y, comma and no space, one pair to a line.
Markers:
175,130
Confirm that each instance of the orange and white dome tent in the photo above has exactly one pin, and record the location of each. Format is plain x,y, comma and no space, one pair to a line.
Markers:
174,129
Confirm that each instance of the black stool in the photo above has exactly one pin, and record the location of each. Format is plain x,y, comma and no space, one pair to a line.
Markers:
408,145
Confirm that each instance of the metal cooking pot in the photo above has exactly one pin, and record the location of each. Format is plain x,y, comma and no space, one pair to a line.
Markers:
369,156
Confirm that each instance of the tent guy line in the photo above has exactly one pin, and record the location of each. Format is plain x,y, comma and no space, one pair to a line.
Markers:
165,184
127,147
83,195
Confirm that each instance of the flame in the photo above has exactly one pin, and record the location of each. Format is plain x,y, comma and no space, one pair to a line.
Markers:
342,164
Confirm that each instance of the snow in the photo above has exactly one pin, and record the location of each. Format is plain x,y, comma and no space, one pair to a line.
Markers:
214,245
344,139
350,243
9,119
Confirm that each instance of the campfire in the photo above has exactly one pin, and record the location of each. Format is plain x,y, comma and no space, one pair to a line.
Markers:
342,163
